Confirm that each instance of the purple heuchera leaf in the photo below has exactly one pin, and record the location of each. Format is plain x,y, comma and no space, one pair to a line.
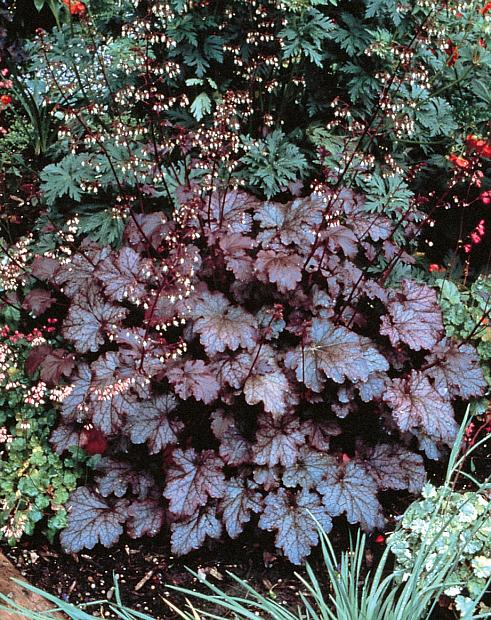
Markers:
309,468
293,516
125,275
414,317
191,533
63,437
281,268
240,498
149,421
235,247
278,440
139,349
74,404
455,369
231,212
268,477
91,520
394,467
319,432
336,353
192,479
55,365
267,384
145,518
418,407
90,318
372,388
294,222
79,272
233,369
111,400
38,301
222,325
343,238
234,448
193,378
348,487
154,227
117,476
44,268
377,227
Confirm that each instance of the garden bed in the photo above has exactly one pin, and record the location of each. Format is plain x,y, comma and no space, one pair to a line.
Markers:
245,300
145,568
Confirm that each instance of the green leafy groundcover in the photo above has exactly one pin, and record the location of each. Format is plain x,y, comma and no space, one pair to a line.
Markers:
218,207
35,482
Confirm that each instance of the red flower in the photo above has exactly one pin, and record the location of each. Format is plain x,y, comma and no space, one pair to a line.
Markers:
485,198
479,145
380,539
435,267
453,53
485,151
460,162
6,99
75,7
485,8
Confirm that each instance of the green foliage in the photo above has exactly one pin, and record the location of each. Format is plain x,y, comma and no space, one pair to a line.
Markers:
63,179
272,163
304,35
466,314
34,481
461,525
101,224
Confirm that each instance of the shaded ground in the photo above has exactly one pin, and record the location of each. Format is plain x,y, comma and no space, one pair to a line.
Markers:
16,592
145,567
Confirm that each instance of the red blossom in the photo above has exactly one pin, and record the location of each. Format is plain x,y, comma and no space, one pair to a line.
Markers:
6,99
486,197
479,145
380,540
453,54
486,151
75,7
459,162
485,9
475,236
435,267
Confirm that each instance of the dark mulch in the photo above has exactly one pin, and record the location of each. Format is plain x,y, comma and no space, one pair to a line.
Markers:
146,567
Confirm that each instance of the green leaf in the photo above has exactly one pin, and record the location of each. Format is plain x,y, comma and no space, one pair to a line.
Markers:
63,179
201,106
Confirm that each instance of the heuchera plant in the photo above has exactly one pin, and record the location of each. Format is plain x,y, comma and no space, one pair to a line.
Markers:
235,363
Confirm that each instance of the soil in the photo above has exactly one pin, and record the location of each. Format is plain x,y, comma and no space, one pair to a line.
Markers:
146,567
13,590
